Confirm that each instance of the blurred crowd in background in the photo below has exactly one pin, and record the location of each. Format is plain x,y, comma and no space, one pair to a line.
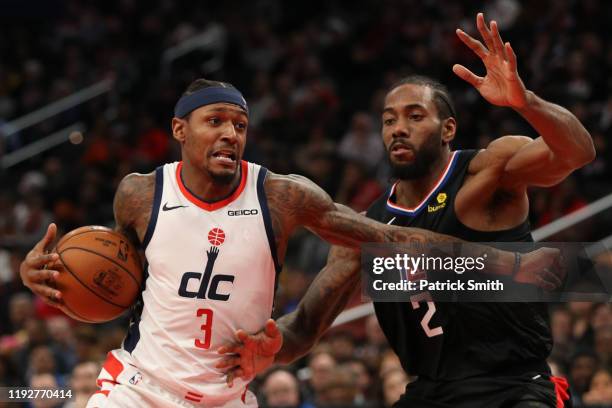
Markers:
315,74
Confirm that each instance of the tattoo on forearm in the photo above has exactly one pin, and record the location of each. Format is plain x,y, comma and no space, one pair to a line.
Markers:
325,299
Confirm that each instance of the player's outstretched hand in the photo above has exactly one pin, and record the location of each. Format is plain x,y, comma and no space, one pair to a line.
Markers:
543,268
252,354
34,273
501,85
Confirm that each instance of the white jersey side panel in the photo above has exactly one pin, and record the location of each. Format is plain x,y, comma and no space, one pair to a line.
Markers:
211,271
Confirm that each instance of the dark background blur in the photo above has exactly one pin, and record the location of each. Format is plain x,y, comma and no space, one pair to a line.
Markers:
314,74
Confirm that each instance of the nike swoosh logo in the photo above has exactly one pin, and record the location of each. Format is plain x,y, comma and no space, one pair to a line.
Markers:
166,208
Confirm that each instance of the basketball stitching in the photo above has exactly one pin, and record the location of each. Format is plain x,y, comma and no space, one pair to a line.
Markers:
86,286
107,258
81,233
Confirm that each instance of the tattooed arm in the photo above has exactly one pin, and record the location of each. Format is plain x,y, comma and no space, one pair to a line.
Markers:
325,299
296,201
133,205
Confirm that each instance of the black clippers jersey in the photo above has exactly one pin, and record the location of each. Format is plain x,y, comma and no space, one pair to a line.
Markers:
460,340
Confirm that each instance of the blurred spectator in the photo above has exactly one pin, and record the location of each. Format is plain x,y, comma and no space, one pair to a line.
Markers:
390,361
321,365
341,390
582,368
394,384
45,381
342,346
365,393
281,389
362,143
83,383
600,390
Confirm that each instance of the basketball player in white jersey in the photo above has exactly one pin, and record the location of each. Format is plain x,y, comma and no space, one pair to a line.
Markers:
214,231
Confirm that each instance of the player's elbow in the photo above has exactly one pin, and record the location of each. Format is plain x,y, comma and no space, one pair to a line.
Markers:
584,156
589,155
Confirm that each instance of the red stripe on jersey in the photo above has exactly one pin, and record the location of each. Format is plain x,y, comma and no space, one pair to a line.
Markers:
219,204
100,382
561,387
192,398
194,394
105,392
113,366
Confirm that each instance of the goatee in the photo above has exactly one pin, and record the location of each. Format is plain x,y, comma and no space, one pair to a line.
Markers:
420,167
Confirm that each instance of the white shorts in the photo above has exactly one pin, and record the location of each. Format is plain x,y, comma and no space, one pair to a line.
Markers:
122,385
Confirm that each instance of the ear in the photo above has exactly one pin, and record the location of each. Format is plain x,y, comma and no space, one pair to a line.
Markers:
449,127
178,129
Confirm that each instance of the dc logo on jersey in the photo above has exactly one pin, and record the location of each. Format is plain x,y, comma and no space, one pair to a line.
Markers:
209,284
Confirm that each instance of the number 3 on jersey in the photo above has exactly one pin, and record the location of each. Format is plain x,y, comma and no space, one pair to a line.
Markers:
431,309
206,328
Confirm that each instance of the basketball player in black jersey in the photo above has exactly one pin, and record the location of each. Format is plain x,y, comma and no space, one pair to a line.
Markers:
465,354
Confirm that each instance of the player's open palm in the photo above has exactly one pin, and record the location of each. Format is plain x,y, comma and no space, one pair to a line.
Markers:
501,85
252,354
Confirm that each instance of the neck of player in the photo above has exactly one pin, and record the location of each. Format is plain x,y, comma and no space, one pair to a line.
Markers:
410,192
204,186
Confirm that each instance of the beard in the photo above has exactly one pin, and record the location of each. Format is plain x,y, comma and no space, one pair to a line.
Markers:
424,159
222,178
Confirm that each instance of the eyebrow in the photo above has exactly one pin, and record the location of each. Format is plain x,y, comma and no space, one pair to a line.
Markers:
405,107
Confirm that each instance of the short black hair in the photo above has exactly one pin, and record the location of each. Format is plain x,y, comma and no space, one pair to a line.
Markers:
442,99
202,83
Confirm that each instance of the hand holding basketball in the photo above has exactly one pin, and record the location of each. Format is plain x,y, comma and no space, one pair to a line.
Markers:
34,274
93,275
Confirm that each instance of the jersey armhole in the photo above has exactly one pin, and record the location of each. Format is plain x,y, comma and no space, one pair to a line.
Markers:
265,212
159,188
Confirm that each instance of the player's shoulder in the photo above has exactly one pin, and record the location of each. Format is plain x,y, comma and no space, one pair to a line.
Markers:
286,180
137,183
136,190
290,187
498,152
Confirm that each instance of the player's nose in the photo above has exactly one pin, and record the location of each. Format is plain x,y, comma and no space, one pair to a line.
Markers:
229,133
399,131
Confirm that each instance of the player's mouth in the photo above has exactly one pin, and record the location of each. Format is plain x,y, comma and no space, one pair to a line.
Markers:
225,157
401,151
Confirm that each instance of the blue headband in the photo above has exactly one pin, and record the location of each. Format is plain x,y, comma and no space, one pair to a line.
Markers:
207,96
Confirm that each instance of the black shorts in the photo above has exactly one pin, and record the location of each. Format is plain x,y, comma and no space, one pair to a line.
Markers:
530,390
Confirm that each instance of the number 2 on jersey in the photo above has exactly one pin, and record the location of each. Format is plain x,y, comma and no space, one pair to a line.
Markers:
431,309
206,328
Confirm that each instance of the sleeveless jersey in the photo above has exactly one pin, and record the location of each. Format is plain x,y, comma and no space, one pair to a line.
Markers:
449,341
211,269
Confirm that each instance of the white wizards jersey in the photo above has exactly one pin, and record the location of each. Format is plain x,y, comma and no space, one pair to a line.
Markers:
211,270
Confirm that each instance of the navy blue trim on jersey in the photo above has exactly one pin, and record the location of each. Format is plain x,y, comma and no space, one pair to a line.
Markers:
133,334
265,212
423,205
159,189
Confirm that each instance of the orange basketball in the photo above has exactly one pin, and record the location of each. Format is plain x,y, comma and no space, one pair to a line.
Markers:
101,273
